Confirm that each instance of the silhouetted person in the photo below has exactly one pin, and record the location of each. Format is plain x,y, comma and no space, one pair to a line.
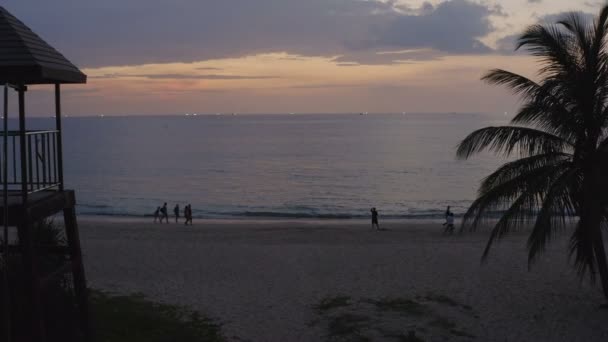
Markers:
176,212
156,214
447,212
375,219
164,213
449,223
188,214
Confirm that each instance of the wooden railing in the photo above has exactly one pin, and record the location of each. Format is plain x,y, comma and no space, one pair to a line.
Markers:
42,161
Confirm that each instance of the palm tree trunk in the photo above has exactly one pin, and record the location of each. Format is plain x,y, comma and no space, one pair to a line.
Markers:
593,215
600,257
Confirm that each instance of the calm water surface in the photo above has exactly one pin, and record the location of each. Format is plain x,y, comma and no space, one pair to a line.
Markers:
273,166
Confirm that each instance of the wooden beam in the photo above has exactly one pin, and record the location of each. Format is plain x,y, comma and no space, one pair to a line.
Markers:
23,143
80,282
59,134
7,298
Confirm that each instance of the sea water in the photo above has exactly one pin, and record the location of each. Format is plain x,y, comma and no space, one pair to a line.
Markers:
274,166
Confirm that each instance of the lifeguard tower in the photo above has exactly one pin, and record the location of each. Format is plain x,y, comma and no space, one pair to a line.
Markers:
32,168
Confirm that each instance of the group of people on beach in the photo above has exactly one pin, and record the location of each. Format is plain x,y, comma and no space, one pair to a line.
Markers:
449,220
161,213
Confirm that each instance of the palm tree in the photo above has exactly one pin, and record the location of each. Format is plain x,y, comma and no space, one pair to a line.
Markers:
559,142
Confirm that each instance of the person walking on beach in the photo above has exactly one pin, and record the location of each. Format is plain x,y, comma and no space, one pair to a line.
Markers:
188,214
156,214
447,212
176,212
449,223
375,219
164,213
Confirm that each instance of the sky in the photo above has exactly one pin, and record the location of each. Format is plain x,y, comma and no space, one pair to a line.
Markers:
159,57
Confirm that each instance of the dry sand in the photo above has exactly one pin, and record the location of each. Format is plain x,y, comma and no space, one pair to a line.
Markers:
262,279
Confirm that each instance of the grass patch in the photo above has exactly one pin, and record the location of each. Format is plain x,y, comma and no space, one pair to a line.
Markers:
445,300
461,333
443,323
331,303
133,318
410,337
348,325
402,305
441,299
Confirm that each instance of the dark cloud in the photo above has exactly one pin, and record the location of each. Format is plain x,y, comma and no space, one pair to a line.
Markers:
508,43
118,32
453,26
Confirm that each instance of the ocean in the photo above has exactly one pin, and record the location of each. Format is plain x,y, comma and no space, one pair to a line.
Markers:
273,166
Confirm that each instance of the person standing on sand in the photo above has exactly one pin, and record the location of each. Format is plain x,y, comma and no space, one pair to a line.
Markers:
449,223
156,214
188,214
375,219
176,212
164,213
447,212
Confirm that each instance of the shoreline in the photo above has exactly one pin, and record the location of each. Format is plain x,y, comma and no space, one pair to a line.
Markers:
257,220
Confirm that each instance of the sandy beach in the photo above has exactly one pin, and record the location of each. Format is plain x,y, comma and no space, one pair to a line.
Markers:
266,280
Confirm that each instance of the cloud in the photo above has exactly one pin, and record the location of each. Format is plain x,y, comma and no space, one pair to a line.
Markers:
209,68
507,44
135,32
452,26
184,76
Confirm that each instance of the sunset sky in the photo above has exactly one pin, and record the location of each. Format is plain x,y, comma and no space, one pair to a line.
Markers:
278,56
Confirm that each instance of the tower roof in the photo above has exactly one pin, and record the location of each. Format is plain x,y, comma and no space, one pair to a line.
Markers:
27,59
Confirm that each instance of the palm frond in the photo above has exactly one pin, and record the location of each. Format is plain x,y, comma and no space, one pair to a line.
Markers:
511,170
581,248
505,139
552,45
600,30
495,199
557,207
548,116
517,215
520,85
577,26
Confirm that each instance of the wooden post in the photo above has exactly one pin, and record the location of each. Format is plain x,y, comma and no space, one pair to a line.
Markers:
80,283
26,236
7,288
59,135
23,143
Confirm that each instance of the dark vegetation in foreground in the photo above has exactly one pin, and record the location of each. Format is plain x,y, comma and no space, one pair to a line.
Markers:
113,318
420,318
133,318
60,311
